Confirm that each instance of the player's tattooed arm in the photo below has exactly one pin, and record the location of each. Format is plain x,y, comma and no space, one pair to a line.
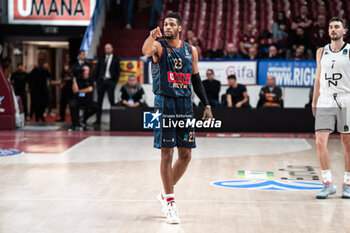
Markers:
151,47
316,93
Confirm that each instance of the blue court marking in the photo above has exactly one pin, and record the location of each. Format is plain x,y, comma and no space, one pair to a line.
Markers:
9,152
268,185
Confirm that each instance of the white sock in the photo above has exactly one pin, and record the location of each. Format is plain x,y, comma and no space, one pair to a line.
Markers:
327,176
169,197
347,178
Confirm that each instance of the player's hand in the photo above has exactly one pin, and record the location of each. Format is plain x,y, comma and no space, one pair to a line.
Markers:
207,114
156,33
238,105
313,110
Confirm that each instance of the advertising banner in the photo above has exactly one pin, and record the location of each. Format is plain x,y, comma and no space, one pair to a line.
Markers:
245,71
51,12
288,73
130,67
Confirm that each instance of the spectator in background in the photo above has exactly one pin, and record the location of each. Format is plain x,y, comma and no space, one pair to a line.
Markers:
297,39
132,94
6,67
195,42
67,81
248,40
128,11
304,21
319,33
77,66
281,28
190,34
299,53
19,80
212,89
273,53
252,53
321,10
66,88
271,94
82,87
50,91
231,52
157,9
106,77
236,94
38,79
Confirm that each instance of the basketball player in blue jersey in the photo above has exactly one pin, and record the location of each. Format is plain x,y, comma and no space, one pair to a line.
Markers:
174,71
331,103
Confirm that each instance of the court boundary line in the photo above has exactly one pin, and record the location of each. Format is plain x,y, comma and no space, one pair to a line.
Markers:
315,202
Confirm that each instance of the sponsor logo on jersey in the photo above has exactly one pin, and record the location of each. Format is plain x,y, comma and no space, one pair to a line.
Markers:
182,78
333,80
345,51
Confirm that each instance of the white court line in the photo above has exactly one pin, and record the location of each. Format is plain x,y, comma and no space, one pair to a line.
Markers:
14,140
316,202
74,146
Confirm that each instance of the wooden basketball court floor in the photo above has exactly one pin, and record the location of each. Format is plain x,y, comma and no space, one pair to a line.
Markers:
107,182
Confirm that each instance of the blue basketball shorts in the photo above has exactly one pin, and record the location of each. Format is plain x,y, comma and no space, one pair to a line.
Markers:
175,129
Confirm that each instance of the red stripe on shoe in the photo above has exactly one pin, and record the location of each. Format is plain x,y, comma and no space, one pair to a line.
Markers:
170,199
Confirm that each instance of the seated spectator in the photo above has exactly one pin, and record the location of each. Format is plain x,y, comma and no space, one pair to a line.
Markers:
236,94
212,88
319,33
303,20
271,94
248,40
82,87
299,53
195,43
231,52
281,28
190,34
132,93
265,40
273,53
252,53
321,10
297,39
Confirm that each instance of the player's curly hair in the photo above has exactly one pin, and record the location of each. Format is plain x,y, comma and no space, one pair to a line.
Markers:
176,16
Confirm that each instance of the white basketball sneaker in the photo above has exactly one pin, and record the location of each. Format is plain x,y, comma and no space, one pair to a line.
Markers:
162,202
172,215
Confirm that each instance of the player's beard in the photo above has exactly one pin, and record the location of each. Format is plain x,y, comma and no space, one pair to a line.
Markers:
172,36
335,37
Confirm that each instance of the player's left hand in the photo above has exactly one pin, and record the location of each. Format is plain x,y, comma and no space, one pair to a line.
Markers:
207,114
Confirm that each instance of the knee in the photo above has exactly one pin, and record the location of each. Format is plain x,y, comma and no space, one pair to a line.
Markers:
73,104
185,155
167,155
346,142
321,142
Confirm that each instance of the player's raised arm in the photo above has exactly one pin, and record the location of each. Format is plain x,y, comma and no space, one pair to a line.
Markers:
317,81
198,86
151,47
